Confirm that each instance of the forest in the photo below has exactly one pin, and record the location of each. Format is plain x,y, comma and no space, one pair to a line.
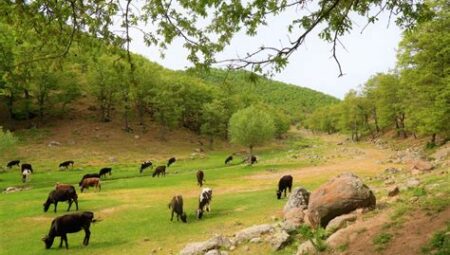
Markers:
413,99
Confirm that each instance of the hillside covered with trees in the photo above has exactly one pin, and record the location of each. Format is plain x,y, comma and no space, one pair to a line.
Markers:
413,99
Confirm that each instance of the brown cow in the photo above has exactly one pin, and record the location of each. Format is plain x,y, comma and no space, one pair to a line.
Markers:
91,182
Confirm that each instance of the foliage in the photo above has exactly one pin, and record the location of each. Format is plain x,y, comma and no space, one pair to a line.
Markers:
251,127
316,237
7,141
413,99
381,240
439,243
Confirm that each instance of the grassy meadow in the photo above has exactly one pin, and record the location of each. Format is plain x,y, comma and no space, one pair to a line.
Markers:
133,207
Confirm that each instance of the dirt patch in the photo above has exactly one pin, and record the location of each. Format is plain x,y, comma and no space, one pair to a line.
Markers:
407,239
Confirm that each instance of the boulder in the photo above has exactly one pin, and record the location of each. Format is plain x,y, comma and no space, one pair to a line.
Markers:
202,247
340,222
393,191
299,198
306,248
412,183
54,143
422,165
391,171
278,240
216,252
252,232
341,195
294,216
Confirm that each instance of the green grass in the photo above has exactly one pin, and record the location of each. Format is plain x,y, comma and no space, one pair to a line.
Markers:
133,206
382,240
439,244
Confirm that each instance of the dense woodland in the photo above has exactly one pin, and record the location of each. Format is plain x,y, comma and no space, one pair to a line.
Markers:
54,54
413,98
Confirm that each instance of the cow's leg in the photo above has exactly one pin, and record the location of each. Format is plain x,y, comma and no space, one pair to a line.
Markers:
61,242
86,237
56,204
76,203
64,237
171,218
70,204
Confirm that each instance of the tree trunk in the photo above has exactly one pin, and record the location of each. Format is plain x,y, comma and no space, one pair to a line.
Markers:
251,150
127,109
433,139
375,118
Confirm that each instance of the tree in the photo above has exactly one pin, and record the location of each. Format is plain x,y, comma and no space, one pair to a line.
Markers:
66,21
251,127
215,120
424,63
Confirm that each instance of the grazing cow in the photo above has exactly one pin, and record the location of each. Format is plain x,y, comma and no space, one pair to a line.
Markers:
26,166
144,165
200,177
91,182
61,194
63,186
204,202
88,176
69,223
177,207
26,175
159,170
253,160
229,159
66,164
284,184
104,171
13,163
171,161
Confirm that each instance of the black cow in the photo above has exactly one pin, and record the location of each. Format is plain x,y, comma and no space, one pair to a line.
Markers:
284,184
61,195
177,207
159,170
253,160
228,160
104,171
26,166
144,165
200,177
171,161
69,223
13,163
66,164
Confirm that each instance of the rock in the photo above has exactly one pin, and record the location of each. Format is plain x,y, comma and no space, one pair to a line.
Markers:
278,240
299,198
412,183
422,165
294,218
12,189
413,199
136,137
216,252
256,240
112,159
305,248
340,222
246,248
391,170
416,172
389,182
232,248
202,247
393,191
341,195
252,232
54,143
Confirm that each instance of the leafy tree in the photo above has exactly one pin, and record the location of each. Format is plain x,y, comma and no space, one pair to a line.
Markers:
424,62
215,120
168,107
251,127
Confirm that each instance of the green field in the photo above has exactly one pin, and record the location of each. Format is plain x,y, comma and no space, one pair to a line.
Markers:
134,207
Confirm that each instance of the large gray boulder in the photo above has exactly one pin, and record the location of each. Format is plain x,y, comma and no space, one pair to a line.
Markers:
278,240
341,195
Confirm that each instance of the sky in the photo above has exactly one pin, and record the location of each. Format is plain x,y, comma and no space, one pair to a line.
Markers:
312,65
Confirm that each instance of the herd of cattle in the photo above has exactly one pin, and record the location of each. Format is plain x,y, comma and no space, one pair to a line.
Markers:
71,223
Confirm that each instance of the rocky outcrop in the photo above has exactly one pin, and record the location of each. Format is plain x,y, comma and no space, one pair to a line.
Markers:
203,247
340,222
341,195
252,232
299,198
421,165
278,240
